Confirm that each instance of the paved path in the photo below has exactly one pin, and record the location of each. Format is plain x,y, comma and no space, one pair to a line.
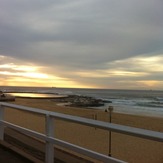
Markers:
32,148
8,156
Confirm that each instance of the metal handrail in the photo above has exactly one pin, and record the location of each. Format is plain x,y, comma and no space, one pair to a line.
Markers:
50,140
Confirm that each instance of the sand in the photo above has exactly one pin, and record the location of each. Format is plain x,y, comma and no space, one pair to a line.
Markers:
127,148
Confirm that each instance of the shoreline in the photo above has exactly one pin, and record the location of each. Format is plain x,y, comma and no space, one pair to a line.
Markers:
69,109
89,102
127,148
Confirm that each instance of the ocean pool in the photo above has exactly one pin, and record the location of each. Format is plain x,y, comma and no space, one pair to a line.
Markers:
36,95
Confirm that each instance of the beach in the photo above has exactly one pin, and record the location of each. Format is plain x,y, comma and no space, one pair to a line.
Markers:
127,148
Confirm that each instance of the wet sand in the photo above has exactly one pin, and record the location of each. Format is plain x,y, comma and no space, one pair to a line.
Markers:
127,148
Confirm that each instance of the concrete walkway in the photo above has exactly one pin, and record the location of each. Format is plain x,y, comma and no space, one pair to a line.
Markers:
9,156
29,150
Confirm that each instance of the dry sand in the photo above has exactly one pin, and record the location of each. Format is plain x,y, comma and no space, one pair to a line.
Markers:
127,148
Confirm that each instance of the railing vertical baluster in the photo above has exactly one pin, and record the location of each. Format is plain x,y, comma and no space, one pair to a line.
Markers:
1,119
49,153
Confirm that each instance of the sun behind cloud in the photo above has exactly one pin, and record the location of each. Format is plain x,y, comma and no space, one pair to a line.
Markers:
26,74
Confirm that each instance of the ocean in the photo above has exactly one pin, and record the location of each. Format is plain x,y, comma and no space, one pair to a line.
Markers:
138,102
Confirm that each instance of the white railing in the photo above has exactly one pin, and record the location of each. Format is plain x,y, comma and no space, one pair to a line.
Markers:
50,140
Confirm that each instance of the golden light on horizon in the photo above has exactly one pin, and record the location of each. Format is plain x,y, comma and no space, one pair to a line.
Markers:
126,73
149,60
138,64
25,68
18,67
153,64
110,73
34,75
30,75
131,73
25,74
21,70
13,66
52,82
150,83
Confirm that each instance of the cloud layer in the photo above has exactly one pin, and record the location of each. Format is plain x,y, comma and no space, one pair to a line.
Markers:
91,43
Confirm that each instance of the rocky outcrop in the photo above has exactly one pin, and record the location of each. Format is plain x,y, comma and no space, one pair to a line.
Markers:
80,101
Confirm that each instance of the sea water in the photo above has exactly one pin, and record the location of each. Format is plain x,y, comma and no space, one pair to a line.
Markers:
140,102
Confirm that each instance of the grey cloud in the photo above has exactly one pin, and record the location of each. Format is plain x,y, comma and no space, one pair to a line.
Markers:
80,35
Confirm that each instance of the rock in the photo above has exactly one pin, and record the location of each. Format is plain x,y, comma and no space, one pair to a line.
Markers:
80,101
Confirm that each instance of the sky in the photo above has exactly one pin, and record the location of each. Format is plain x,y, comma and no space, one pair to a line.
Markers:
113,44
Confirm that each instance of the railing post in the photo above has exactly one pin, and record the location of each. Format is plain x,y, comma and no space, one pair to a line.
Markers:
1,125
49,153
110,120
